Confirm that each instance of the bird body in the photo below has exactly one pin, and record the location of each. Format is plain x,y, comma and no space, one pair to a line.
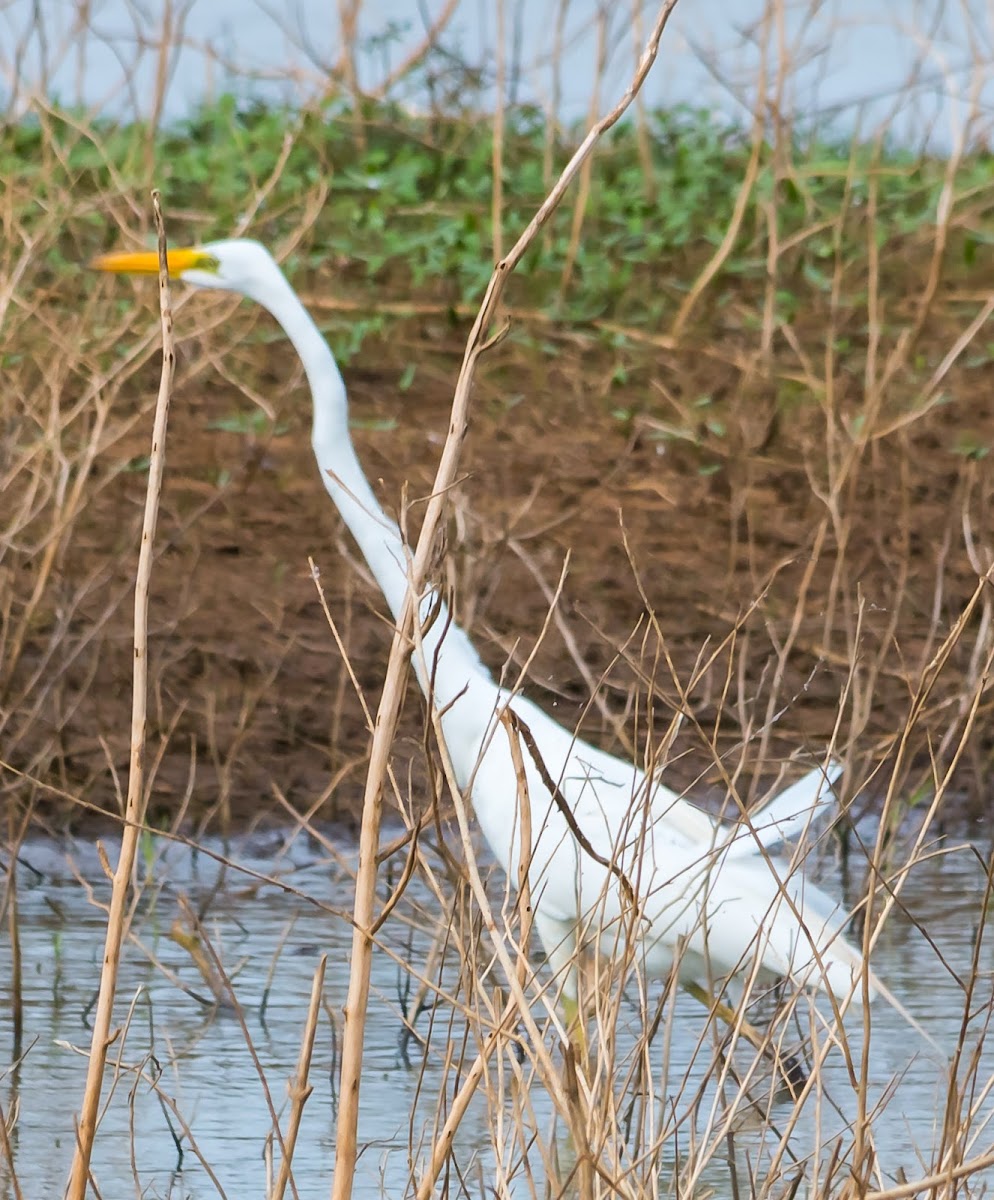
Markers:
616,859
651,866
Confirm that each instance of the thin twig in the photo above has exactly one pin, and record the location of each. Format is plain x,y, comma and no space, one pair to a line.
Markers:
393,688
135,809
300,1089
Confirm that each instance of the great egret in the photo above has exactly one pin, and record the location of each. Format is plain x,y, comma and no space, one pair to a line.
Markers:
617,859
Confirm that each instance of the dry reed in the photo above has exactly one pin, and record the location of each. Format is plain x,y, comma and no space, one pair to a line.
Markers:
892,663
134,813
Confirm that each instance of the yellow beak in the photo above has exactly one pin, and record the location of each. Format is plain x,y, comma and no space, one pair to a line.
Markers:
147,262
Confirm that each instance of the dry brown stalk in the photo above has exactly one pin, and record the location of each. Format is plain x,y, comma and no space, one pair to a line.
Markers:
347,66
941,1184
642,132
393,688
724,250
442,1147
497,154
583,186
300,1089
8,1154
135,809
866,449
17,831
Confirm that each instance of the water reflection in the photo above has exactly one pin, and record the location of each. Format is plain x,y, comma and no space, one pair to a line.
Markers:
269,938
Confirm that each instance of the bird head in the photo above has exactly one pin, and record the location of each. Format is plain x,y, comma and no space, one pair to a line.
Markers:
236,265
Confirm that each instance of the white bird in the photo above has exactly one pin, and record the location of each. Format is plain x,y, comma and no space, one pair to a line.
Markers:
617,859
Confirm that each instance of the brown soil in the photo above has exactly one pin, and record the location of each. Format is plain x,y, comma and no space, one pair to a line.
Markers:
249,694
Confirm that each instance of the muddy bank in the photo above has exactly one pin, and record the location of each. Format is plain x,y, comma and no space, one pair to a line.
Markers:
670,538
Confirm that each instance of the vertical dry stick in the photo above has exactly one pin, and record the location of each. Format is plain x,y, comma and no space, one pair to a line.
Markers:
642,135
15,837
552,109
460,1103
134,813
300,1090
81,30
583,191
739,209
8,1154
348,23
168,36
770,208
346,1151
497,159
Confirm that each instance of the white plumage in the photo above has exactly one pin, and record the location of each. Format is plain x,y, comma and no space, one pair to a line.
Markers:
648,865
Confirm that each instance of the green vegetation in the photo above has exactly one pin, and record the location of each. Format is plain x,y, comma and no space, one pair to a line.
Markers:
745,390
408,204
687,236
765,339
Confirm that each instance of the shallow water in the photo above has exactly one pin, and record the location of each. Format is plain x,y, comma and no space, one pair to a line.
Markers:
206,1068
871,64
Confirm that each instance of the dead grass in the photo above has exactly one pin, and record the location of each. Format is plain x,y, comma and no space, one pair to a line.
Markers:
776,525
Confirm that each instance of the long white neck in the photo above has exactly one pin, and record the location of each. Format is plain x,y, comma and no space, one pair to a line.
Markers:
448,652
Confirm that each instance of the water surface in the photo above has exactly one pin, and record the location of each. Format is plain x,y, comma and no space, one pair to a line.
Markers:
915,70
206,1068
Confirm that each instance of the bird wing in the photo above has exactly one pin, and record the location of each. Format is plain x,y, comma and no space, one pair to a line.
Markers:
786,814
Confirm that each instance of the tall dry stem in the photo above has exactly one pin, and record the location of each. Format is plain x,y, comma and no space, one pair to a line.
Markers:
393,688
497,158
724,251
583,188
300,1089
134,815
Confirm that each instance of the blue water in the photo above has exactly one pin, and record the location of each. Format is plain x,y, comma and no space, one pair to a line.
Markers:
915,70
269,935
